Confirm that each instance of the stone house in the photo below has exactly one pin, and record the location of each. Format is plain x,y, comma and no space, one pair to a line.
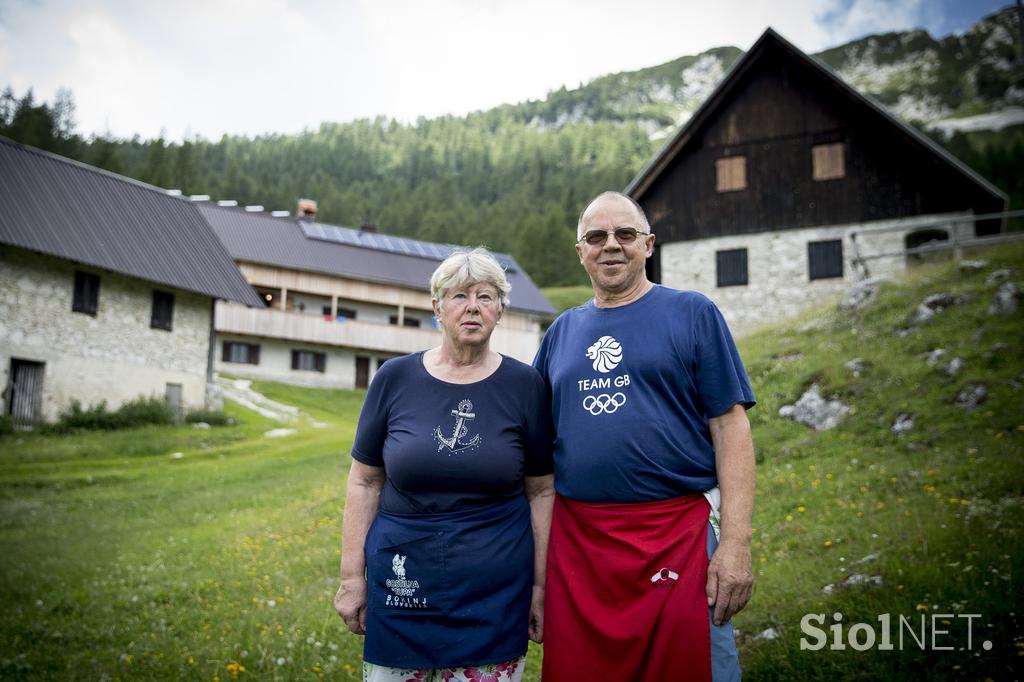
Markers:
787,185
340,301
108,288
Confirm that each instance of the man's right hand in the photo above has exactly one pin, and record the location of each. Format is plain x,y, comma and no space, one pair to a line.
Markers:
350,603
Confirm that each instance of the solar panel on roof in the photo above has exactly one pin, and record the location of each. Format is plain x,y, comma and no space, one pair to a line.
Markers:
388,243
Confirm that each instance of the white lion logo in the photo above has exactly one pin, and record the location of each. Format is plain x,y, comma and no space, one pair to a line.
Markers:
398,566
606,354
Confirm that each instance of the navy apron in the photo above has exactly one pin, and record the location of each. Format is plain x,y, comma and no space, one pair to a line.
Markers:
449,590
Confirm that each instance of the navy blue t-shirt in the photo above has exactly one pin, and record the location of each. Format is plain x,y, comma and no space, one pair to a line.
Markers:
447,447
632,389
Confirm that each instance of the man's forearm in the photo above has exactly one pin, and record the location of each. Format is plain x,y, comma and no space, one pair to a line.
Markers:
734,461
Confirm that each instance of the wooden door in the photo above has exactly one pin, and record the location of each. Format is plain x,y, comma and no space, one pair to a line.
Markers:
362,372
25,392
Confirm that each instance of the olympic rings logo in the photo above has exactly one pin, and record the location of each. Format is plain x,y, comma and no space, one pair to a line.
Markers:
596,404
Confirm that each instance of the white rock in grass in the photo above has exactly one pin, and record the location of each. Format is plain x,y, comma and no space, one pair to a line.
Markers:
1005,301
814,411
904,423
769,634
856,366
972,396
200,425
177,455
867,559
954,367
996,277
853,580
279,433
933,358
932,305
861,293
972,265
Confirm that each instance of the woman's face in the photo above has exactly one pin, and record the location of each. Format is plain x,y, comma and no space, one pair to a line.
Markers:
468,315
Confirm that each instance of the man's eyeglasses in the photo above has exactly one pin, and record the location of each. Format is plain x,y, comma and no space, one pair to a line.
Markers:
623,235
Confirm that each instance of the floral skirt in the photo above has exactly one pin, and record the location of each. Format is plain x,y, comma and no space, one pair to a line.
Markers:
496,672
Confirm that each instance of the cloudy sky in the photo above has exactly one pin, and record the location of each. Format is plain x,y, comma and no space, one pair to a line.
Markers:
208,67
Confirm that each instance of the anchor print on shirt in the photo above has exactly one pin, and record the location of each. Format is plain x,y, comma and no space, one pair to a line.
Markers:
456,442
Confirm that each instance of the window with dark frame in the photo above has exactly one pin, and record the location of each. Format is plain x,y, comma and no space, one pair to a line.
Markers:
162,316
241,353
731,267
406,321
730,174
347,313
828,161
87,293
309,360
825,259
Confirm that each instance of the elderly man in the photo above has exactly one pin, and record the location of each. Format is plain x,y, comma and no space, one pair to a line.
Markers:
654,471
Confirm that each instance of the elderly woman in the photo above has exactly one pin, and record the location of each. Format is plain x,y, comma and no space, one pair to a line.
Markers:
449,498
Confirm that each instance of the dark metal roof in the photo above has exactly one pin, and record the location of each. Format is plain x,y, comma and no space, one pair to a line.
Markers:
260,238
67,209
770,39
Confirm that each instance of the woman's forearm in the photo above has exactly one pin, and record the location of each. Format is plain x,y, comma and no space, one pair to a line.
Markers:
540,491
362,501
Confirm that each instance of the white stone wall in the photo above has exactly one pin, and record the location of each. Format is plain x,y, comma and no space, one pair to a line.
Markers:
114,356
778,283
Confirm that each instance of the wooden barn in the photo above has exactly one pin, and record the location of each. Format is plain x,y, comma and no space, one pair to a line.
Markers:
768,195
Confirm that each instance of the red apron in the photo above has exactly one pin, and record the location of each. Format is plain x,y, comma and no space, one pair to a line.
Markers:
625,599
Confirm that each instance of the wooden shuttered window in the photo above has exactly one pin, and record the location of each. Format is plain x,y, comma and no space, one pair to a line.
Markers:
731,267
828,161
825,259
242,353
162,316
309,361
731,173
86,294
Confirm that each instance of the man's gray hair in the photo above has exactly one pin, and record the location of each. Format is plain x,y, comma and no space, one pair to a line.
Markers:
642,225
464,268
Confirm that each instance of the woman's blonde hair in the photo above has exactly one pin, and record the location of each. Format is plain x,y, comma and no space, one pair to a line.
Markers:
465,268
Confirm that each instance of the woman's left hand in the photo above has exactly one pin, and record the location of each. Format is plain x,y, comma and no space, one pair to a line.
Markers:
537,614
350,603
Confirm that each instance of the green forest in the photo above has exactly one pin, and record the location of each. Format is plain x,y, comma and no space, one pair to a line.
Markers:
491,178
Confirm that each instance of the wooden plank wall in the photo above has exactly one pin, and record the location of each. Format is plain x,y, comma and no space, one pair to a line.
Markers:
777,112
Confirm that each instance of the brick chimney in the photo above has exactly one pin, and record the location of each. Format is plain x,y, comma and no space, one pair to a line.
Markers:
306,210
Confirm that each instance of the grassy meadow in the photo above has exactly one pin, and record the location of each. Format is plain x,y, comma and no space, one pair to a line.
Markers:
176,553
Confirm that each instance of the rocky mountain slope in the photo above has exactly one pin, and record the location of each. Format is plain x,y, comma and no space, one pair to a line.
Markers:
918,77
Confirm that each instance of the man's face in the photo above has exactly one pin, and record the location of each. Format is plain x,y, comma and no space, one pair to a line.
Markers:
613,267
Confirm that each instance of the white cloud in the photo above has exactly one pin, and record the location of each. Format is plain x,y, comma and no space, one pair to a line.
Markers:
252,66
877,16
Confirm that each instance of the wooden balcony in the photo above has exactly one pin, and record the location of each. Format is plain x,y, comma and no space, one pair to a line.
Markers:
232,318
273,324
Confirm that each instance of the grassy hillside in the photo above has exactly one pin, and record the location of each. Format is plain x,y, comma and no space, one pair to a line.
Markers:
563,298
123,559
